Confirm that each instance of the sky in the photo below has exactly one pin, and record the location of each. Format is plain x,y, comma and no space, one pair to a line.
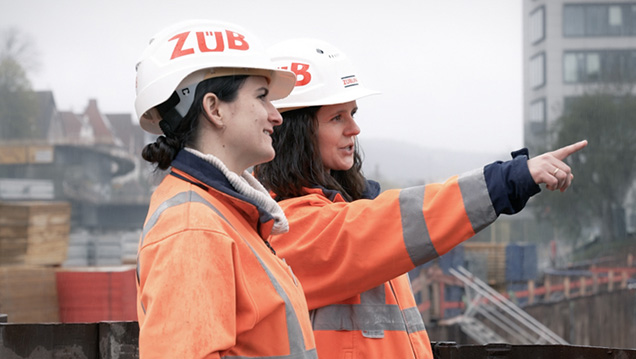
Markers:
450,71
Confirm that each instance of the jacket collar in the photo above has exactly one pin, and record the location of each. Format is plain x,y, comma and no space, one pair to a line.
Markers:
212,177
371,190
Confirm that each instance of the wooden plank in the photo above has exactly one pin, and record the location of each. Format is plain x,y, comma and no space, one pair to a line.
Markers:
28,294
33,232
37,213
13,154
13,244
43,226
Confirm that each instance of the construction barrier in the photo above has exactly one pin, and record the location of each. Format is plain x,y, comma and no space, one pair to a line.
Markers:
120,340
450,350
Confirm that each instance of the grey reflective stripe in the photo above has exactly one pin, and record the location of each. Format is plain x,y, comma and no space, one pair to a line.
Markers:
414,322
374,297
358,317
294,331
416,237
309,354
476,199
372,315
179,198
477,205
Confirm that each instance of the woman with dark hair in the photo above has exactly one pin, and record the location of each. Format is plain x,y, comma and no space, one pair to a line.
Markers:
350,245
209,285
300,164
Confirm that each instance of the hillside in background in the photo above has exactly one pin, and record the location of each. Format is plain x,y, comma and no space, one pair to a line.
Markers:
397,164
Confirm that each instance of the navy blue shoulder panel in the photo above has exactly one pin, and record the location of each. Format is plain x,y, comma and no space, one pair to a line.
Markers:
213,177
371,190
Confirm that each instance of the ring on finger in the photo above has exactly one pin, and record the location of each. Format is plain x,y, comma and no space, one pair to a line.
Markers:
555,171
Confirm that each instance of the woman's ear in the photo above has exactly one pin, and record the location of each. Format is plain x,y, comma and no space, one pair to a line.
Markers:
211,110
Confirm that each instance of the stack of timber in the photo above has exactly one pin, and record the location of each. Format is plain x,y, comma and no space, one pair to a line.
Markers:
34,239
34,233
28,294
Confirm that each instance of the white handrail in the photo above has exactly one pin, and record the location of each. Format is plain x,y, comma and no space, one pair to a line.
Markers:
508,307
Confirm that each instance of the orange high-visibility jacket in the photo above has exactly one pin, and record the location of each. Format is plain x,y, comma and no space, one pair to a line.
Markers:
352,256
209,285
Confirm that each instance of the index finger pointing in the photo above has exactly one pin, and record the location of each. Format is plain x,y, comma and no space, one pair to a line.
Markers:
564,152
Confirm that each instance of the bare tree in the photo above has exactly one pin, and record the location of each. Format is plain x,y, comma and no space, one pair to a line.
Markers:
19,47
18,107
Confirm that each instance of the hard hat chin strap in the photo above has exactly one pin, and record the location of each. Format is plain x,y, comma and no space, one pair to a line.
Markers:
170,117
174,109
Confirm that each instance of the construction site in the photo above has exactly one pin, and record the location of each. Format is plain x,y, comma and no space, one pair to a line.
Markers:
75,191
71,208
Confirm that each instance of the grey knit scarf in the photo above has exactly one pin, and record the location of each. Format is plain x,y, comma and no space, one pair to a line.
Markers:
251,188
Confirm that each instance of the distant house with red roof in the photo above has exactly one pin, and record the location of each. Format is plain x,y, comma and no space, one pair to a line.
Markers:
75,130
94,150
92,127
103,133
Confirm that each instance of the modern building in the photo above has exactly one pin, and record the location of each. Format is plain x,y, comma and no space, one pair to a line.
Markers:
572,47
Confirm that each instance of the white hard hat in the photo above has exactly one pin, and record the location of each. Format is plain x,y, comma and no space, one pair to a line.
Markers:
186,53
324,74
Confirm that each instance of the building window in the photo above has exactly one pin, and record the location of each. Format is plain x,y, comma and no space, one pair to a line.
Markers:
537,71
573,20
599,66
537,25
537,117
599,20
615,16
630,18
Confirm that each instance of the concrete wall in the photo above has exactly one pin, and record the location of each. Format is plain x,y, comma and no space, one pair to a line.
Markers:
105,340
602,325
606,319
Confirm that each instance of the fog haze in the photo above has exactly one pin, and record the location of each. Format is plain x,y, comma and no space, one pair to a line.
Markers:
449,71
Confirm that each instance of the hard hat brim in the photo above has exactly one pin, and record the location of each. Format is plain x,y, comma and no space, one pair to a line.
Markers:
351,95
281,83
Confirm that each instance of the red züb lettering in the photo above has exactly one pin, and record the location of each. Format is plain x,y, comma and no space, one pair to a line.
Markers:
178,48
236,41
203,46
303,77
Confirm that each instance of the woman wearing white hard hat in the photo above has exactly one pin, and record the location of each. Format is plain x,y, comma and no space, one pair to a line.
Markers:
209,283
348,243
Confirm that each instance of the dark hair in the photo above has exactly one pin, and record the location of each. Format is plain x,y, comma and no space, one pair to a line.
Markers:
298,163
166,147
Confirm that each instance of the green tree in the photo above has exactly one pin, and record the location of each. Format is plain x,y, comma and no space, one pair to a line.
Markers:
18,106
603,172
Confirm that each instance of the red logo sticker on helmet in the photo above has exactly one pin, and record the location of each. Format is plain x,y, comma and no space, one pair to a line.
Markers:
235,41
303,77
349,81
